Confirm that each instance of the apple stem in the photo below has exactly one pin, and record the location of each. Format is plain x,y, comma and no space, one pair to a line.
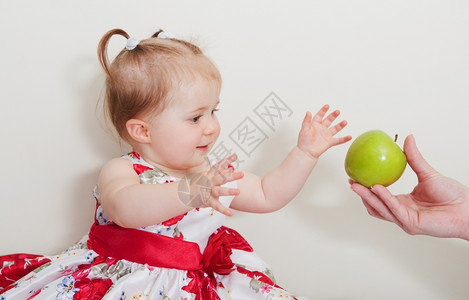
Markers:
395,138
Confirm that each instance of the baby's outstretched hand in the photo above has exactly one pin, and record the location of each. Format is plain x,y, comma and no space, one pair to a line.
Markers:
317,134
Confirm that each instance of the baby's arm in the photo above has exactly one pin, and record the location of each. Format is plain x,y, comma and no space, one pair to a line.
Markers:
131,204
282,184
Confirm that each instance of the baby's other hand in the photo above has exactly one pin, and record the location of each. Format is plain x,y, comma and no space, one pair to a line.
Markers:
219,174
317,133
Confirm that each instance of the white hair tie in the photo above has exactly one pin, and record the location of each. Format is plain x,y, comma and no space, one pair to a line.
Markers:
163,35
131,43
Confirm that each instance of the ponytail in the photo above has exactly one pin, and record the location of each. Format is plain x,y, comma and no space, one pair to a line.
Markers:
102,48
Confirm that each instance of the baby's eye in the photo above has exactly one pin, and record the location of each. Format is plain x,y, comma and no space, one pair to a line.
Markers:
215,110
196,119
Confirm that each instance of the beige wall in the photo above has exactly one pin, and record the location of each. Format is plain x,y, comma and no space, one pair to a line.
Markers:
399,66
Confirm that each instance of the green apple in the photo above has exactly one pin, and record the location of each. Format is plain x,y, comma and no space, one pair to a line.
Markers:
375,158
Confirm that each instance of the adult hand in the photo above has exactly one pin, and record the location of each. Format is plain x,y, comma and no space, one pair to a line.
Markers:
438,206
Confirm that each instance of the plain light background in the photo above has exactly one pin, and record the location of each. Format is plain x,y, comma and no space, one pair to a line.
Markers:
399,66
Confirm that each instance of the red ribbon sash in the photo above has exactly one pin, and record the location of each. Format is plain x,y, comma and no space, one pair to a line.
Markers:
144,247
163,251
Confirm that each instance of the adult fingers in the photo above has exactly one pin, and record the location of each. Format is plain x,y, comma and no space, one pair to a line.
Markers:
394,211
373,202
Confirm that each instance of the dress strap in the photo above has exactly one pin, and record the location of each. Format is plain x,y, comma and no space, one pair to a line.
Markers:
147,173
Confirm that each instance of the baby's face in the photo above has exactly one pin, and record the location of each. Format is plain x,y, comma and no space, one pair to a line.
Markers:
185,132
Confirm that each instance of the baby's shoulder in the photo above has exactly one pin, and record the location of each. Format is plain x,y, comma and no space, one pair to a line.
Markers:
117,165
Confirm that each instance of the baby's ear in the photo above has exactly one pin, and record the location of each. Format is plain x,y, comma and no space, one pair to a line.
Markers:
138,130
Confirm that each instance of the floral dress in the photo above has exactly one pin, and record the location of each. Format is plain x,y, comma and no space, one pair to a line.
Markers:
191,256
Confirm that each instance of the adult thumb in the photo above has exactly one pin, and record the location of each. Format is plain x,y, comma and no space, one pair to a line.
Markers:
415,159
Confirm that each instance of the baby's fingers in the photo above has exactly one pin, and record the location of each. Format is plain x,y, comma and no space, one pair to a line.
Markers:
319,116
223,171
215,204
226,176
218,191
223,165
334,130
338,127
321,113
331,118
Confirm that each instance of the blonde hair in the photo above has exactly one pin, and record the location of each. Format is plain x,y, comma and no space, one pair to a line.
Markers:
139,81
